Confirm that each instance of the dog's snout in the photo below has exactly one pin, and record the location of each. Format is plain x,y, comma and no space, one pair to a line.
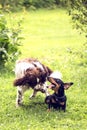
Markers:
53,86
42,90
71,83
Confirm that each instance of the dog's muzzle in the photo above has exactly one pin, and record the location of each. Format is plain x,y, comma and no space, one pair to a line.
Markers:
51,86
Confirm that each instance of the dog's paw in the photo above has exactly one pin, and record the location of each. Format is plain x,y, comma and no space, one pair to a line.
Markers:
31,97
18,105
48,110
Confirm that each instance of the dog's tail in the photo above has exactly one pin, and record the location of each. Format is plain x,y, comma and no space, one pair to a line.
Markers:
20,82
26,80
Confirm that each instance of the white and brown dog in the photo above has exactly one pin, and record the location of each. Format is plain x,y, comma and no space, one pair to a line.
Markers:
30,73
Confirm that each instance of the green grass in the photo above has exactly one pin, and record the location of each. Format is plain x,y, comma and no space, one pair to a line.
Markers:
48,36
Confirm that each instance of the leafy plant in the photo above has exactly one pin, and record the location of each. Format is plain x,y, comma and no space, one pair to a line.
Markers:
38,3
9,42
78,12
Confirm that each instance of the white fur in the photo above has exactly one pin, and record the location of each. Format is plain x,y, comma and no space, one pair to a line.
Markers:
39,65
56,75
21,67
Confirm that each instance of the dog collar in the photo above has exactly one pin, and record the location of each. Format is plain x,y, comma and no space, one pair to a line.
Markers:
63,98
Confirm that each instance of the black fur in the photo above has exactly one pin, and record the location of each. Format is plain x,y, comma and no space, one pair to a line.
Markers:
58,99
55,102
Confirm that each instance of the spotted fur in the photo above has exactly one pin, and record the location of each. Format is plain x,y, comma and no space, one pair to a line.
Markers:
30,73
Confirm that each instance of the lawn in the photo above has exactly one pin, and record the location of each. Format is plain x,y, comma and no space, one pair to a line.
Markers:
48,36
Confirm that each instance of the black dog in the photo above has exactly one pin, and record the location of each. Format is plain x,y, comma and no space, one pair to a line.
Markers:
58,99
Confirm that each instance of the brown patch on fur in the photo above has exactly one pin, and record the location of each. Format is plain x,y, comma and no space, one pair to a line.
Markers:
67,85
56,89
34,71
53,101
47,101
62,103
51,80
54,83
32,74
28,79
48,110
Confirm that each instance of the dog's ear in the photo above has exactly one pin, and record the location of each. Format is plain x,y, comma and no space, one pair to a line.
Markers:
67,85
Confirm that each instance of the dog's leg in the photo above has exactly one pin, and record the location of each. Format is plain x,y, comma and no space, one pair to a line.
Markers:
46,93
20,92
19,96
48,102
64,107
45,90
49,107
33,94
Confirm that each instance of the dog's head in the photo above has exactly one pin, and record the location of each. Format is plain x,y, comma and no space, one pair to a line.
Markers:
57,84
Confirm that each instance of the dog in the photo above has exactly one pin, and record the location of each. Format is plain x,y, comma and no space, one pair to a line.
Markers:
30,73
58,99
